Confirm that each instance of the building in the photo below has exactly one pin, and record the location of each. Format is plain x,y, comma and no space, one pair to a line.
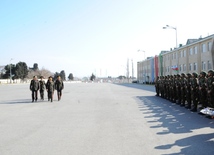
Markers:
196,56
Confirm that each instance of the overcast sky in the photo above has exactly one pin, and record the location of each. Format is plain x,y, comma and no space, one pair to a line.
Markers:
97,36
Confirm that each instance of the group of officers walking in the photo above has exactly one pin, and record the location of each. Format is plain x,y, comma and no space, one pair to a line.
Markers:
187,90
40,86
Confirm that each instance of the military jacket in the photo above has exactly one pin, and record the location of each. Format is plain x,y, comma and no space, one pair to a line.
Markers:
42,84
59,85
34,85
50,86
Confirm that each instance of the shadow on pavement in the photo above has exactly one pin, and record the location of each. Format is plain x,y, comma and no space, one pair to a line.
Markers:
18,101
138,86
177,120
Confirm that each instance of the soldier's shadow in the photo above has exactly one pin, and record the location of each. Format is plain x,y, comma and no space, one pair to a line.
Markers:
17,101
161,113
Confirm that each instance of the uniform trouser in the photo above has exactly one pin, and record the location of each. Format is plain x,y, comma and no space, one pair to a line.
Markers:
183,96
188,98
203,98
210,98
194,96
50,95
157,90
34,95
59,94
42,94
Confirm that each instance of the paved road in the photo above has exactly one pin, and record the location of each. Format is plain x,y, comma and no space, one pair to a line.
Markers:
100,119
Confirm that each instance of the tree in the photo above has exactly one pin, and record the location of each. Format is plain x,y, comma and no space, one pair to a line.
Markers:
35,67
43,72
7,71
93,77
62,74
21,70
71,77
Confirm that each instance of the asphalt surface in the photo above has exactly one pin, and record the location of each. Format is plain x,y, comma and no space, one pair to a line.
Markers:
100,119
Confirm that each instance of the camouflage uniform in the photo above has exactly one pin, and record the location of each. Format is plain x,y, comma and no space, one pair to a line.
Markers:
202,90
42,87
178,89
188,90
157,89
183,91
194,91
50,89
210,88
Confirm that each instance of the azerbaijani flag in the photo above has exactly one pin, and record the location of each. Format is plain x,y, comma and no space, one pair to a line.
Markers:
175,68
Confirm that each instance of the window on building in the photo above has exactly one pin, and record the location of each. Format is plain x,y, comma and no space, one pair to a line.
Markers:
203,65
203,48
184,67
195,50
190,51
180,54
184,53
180,68
190,67
168,68
194,66
209,65
208,46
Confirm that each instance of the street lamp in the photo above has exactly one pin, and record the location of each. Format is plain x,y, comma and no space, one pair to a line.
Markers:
171,27
142,51
10,71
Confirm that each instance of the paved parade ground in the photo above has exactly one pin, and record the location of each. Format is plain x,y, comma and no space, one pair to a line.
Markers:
100,119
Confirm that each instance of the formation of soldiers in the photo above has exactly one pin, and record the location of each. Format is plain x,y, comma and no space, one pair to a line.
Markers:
188,90
40,85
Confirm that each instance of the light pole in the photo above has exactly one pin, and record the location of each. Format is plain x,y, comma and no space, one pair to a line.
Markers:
171,27
10,71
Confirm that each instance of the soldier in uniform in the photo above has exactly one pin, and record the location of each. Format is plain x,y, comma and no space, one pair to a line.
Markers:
59,86
42,87
194,91
50,88
202,90
178,89
34,87
183,90
157,89
210,88
188,90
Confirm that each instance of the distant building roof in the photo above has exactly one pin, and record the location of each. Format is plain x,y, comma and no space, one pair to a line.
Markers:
190,41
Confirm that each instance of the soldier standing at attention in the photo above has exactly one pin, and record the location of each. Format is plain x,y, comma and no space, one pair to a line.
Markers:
50,88
42,87
188,90
59,86
34,87
210,88
194,91
202,90
157,85
183,90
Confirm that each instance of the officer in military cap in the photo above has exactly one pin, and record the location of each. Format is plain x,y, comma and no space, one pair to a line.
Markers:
59,86
202,89
50,88
194,91
34,87
42,87
210,88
